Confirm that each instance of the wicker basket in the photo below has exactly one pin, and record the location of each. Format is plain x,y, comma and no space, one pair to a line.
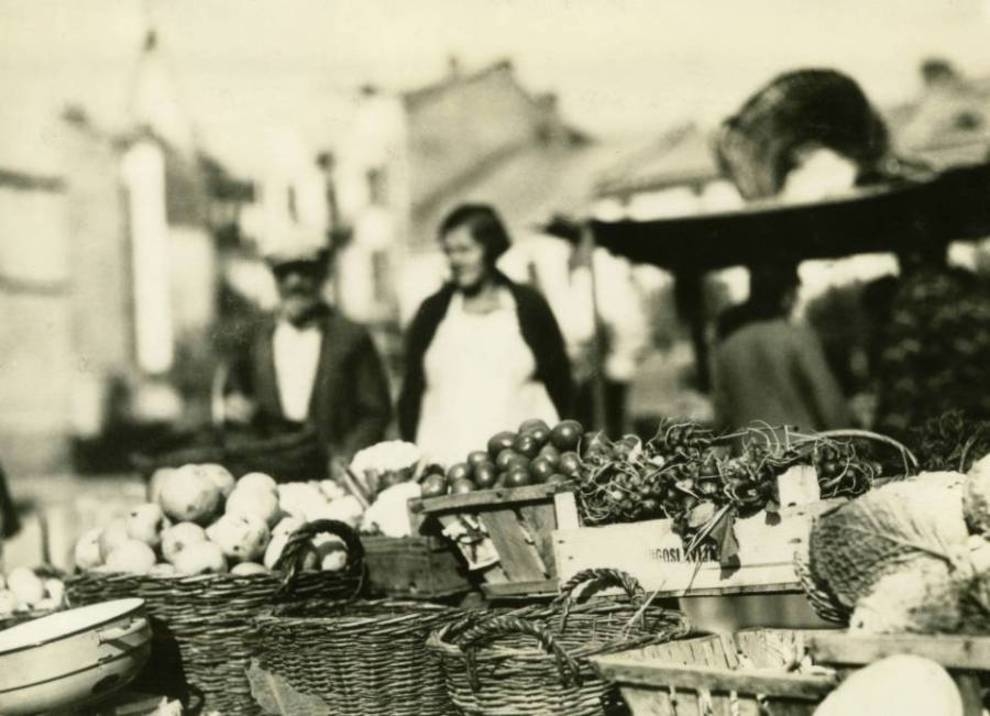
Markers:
362,658
202,624
824,107
822,601
513,677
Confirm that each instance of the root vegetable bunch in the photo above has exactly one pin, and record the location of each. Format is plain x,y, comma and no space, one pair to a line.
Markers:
691,475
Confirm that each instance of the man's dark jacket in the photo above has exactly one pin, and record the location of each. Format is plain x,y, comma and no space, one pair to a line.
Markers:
350,407
539,330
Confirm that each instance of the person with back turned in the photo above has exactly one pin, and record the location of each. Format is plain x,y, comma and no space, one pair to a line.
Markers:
769,368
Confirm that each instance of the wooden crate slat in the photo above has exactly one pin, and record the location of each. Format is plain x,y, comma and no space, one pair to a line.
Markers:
519,524
630,671
507,589
488,498
653,553
565,505
517,557
952,652
540,521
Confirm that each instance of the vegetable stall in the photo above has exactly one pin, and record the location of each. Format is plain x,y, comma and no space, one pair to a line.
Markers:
546,573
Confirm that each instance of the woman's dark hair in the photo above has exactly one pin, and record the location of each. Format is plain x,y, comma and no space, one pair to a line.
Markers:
484,225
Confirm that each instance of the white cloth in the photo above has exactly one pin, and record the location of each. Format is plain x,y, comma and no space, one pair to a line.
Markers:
480,379
297,357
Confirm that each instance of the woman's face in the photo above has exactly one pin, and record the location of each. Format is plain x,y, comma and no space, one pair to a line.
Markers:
466,258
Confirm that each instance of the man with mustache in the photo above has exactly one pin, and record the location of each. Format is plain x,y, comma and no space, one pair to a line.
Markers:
308,366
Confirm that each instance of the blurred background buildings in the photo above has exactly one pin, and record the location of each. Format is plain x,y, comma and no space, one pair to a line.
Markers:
132,239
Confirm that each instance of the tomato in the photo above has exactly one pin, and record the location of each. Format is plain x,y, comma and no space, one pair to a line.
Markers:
540,436
461,486
570,464
540,470
434,485
526,445
477,458
434,469
517,477
500,480
499,442
566,435
509,457
458,471
485,475
531,425
550,453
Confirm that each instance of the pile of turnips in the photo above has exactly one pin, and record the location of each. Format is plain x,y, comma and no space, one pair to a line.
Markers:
23,590
200,520
533,455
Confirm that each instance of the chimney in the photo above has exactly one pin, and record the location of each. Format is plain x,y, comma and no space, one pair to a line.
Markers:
453,67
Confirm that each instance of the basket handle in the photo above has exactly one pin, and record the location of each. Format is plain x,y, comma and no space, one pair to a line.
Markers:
595,578
490,629
300,544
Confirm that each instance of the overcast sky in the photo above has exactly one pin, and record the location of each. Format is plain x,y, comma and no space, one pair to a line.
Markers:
616,64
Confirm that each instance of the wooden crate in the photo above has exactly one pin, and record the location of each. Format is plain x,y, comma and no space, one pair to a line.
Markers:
413,567
722,675
964,657
519,524
654,554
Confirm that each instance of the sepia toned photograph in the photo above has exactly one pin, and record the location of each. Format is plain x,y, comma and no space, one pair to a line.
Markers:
494,358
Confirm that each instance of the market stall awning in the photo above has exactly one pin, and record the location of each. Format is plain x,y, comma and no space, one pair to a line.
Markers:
953,205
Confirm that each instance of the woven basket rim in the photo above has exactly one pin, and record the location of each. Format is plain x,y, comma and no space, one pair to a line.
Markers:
417,611
437,642
275,577
185,578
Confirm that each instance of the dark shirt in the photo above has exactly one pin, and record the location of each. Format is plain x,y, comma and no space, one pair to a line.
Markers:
350,407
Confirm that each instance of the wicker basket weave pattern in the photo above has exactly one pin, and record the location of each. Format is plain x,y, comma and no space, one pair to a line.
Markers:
493,667
204,622
365,658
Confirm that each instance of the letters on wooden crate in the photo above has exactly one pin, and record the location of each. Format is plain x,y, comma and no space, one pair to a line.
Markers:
653,553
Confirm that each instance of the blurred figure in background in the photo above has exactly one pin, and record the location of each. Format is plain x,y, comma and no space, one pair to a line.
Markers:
9,522
309,366
769,368
603,320
934,343
483,354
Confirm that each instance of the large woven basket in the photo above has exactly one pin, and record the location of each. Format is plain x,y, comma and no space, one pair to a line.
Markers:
364,658
202,624
492,667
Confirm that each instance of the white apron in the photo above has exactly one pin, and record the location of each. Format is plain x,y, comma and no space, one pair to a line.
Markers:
479,380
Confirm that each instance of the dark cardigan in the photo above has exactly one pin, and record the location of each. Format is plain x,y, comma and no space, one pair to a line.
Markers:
539,330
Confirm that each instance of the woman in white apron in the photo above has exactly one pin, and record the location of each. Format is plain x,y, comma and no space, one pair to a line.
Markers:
483,354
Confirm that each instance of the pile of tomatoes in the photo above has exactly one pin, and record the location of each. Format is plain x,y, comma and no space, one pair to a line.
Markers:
534,454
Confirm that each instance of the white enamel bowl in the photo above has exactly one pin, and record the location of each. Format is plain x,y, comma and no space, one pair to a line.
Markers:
73,657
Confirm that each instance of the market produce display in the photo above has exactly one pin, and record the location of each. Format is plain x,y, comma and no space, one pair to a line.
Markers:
200,520
911,556
702,480
534,454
